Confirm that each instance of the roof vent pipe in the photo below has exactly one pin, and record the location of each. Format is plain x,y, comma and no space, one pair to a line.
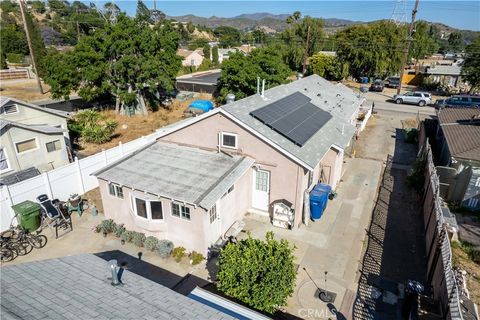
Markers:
263,88
230,98
258,85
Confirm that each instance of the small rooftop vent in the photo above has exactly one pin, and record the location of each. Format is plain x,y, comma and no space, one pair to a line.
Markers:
230,98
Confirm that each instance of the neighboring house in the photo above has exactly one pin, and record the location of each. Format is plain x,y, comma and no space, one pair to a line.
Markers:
31,137
445,75
191,58
207,172
201,82
245,48
457,149
224,54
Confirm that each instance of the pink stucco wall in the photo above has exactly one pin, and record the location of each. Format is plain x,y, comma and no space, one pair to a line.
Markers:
196,57
331,165
287,179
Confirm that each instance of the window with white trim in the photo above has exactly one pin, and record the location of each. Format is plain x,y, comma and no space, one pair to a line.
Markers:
115,190
53,145
213,213
229,140
180,211
9,109
26,145
141,208
147,209
4,165
156,210
229,191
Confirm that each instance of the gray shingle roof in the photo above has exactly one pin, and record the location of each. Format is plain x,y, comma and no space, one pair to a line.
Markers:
338,100
5,100
178,172
76,287
31,127
453,70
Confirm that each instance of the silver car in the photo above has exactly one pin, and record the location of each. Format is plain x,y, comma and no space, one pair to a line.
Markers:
417,97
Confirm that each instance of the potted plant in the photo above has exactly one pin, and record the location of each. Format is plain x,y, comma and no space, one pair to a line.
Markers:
195,257
164,248
178,253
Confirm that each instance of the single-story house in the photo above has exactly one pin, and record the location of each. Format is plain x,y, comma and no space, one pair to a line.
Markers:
457,148
205,173
224,54
201,82
445,75
191,58
31,137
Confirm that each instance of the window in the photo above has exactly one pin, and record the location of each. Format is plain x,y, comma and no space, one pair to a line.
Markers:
261,180
4,165
213,213
229,140
180,211
26,145
9,109
115,190
141,208
477,183
418,95
156,210
229,190
473,202
53,145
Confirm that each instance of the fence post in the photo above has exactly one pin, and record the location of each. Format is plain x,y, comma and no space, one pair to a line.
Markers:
46,180
80,177
120,146
104,153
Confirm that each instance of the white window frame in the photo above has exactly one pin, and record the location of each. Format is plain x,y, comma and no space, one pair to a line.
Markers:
229,134
213,214
53,141
477,182
16,108
180,211
9,168
231,189
116,187
27,151
148,206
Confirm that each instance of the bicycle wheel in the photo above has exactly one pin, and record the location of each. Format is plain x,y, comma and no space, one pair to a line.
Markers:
37,241
8,254
23,247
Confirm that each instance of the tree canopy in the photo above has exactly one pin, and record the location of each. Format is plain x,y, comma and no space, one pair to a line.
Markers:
259,273
126,59
239,72
328,66
228,36
471,65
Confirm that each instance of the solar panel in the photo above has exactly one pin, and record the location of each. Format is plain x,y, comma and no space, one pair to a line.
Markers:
294,117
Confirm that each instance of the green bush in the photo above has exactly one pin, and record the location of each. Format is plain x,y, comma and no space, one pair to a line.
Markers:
106,226
164,248
151,243
92,126
127,236
196,257
416,178
259,273
118,230
178,253
15,57
138,238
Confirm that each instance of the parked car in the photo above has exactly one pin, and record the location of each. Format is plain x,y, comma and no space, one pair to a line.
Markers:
392,82
377,86
417,97
459,102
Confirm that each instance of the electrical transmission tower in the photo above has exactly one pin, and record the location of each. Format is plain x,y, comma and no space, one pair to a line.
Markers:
399,14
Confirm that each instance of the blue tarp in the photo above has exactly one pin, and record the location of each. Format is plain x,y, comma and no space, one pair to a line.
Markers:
204,105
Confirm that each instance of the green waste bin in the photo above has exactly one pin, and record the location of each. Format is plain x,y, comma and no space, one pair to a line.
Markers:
28,215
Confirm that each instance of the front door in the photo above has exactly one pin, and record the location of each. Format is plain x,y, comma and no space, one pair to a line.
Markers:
261,189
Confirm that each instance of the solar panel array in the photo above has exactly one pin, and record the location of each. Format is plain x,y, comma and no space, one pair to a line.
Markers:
294,117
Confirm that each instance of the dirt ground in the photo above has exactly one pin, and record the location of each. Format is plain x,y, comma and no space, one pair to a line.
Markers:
24,89
462,261
130,128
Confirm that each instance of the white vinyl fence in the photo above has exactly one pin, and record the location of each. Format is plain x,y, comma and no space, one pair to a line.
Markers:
60,183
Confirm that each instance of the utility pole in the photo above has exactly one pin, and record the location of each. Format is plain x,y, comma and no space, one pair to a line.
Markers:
305,58
409,41
30,47
155,5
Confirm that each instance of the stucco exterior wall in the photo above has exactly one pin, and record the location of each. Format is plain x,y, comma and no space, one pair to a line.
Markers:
329,170
194,57
39,157
286,177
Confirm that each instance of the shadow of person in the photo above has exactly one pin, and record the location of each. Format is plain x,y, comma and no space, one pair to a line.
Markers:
334,311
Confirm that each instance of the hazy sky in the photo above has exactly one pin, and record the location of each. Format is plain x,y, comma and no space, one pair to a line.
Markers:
459,14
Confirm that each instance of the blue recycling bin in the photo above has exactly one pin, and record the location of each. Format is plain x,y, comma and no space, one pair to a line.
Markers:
318,200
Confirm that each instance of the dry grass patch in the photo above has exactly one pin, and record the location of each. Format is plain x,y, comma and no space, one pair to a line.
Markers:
463,261
25,90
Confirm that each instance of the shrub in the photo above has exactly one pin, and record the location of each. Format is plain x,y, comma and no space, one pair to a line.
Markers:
92,126
15,57
138,238
106,226
119,229
265,280
127,236
151,243
196,257
164,248
178,253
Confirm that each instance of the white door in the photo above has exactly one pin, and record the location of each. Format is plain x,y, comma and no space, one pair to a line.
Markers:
261,189
215,223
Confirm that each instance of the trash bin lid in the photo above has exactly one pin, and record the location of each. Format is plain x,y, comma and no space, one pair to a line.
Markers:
26,208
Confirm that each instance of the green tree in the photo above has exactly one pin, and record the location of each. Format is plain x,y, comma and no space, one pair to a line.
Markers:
295,41
38,6
127,59
423,43
198,43
259,273
228,36
206,52
3,60
371,50
471,65
239,72
259,36
215,55
455,42
190,27
327,66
